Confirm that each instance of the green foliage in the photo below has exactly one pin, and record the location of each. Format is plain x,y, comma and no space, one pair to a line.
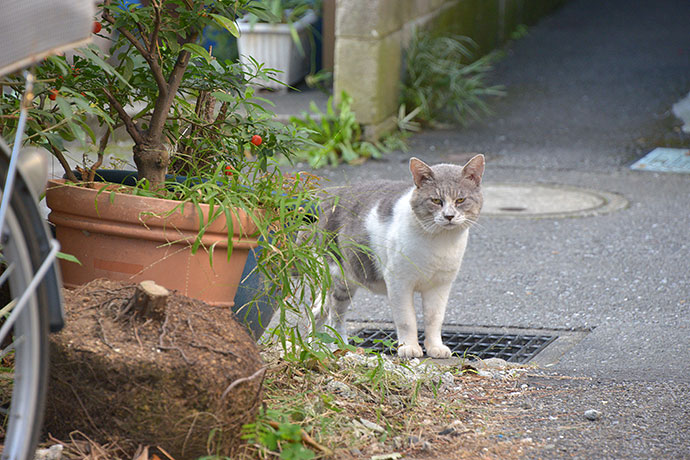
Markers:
337,136
211,117
280,11
283,437
521,31
331,393
444,81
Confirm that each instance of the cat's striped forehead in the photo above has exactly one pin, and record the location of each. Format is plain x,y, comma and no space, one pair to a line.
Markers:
449,181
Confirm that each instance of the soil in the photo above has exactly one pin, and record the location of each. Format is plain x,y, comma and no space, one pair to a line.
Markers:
186,382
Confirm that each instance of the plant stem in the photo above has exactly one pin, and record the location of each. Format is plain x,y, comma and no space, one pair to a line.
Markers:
63,162
306,439
130,126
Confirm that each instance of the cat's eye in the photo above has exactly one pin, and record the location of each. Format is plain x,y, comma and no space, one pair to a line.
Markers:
460,201
437,201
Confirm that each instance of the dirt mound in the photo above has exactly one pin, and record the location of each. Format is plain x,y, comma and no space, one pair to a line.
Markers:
186,382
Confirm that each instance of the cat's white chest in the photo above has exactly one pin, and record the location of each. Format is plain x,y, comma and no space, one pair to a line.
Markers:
427,260
408,254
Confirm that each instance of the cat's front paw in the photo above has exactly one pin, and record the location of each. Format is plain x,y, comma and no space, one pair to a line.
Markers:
438,351
410,351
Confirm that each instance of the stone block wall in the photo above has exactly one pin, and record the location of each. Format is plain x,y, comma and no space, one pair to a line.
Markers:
371,36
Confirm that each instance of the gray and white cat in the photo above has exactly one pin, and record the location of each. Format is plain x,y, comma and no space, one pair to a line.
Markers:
398,238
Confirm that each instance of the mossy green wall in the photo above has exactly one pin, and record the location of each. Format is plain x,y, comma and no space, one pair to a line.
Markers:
371,36
490,22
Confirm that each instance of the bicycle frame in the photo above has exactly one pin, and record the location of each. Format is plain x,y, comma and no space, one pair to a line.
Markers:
48,262
18,171
30,30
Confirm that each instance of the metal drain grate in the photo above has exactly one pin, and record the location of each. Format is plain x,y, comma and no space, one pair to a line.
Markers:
515,348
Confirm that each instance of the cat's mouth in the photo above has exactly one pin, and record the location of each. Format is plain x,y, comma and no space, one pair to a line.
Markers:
451,224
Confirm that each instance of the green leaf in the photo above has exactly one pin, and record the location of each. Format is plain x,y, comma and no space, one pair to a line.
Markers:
198,50
294,451
59,61
227,23
296,40
224,97
324,337
64,107
290,432
90,54
86,128
68,257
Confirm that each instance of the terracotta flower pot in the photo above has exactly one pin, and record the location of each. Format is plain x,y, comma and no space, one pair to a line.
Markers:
126,237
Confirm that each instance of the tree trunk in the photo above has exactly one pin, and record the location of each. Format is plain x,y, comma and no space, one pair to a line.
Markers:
149,300
152,160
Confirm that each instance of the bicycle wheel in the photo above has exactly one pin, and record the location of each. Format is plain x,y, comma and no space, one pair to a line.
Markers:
24,348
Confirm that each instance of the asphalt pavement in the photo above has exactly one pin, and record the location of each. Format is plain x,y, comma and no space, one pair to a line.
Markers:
589,91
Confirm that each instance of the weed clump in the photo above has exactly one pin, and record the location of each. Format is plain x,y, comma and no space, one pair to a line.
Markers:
356,403
444,81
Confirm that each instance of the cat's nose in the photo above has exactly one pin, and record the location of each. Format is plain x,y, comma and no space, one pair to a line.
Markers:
449,217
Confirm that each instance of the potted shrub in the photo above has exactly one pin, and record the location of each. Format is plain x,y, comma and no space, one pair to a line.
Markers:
207,191
281,38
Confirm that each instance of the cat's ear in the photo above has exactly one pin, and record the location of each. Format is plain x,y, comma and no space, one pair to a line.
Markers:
474,169
421,172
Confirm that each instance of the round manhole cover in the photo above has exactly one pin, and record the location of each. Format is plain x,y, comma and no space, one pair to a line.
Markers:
546,200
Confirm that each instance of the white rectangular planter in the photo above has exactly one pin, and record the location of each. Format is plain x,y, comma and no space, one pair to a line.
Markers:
273,45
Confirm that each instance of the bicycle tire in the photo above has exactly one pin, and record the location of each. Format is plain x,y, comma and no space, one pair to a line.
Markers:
29,336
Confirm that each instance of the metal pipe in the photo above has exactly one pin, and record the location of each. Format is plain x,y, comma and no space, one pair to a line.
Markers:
12,170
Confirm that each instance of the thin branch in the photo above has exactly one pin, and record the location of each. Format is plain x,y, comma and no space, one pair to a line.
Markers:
63,162
150,59
153,42
99,161
306,439
164,330
81,404
125,33
126,119
241,380
142,32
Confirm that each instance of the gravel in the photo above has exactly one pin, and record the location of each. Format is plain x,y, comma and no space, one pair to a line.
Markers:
592,414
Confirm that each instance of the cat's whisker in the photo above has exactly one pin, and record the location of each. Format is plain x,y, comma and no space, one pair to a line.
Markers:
472,223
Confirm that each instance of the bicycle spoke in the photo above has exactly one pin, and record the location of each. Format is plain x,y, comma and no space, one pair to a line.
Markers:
33,284
6,274
7,308
10,348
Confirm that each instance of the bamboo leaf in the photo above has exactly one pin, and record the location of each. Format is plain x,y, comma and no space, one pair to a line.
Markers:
68,257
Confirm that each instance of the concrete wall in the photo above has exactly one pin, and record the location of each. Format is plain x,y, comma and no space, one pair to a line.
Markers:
371,36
